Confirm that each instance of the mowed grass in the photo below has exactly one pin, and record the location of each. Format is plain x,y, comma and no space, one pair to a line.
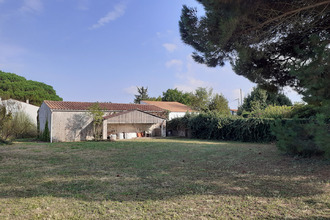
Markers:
160,179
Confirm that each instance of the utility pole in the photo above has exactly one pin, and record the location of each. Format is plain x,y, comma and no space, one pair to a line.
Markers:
237,102
240,91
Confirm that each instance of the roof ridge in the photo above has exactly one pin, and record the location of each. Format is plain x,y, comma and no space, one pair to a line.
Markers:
95,102
70,105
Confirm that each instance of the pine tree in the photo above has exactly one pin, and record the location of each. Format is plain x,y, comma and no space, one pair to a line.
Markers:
272,43
143,95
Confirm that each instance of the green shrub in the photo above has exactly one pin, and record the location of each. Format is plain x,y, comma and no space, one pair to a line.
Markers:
322,135
213,126
303,137
15,126
23,127
45,135
301,110
272,111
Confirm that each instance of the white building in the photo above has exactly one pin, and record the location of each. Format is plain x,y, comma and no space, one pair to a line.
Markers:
175,109
71,121
15,106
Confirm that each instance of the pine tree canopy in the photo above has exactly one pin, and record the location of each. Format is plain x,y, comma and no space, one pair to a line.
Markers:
273,43
17,87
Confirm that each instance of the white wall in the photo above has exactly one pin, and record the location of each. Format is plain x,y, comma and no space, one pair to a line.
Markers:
72,126
176,115
15,106
44,115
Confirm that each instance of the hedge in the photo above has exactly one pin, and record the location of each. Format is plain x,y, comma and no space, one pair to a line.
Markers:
213,126
303,137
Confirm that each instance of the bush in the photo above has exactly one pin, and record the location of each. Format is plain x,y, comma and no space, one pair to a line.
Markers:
23,127
45,135
272,111
213,126
301,110
17,126
303,137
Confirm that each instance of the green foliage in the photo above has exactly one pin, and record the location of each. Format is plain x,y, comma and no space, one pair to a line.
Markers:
273,112
219,104
259,99
22,126
143,95
179,123
272,43
174,95
159,98
201,99
301,110
15,126
303,137
215,126
5,120
17,87
322,134
316,75
45,136
96,113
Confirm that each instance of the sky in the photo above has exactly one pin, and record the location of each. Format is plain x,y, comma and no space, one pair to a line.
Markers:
101,50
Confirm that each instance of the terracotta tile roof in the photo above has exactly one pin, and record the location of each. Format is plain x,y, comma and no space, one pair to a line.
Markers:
234,110
170,106
62,105
125,112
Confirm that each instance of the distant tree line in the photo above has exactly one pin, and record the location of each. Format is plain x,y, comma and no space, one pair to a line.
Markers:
202,99
17,87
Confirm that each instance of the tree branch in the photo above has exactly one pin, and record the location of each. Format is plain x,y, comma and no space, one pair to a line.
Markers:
292,12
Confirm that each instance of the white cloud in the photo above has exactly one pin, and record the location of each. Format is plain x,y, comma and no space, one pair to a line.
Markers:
118,11
174,63
191,84
194,76
132,90
170,47
32,6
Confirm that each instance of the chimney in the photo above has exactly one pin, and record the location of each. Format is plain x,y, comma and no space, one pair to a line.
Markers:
27,101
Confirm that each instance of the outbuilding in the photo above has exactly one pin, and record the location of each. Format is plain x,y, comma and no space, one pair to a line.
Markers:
71,121
174,109
15,107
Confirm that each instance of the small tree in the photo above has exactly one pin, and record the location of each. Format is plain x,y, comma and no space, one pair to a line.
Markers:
259,99
45,136
201,99
96,113
174,95
5,119
219,104
143,95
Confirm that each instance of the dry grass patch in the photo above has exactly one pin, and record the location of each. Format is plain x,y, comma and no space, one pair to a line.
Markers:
160,178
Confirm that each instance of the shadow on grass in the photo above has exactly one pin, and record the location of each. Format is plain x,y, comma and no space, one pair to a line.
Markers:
155,170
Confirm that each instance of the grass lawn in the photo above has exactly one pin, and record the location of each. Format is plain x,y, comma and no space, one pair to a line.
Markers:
160,179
